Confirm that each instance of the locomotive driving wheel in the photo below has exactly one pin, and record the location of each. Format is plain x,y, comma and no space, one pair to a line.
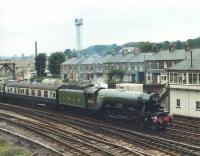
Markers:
118,118
107,115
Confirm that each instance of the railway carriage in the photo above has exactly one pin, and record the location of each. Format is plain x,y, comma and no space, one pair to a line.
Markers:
34,93
1,89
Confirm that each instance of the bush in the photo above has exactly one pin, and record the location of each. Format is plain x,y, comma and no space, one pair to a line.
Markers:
7,149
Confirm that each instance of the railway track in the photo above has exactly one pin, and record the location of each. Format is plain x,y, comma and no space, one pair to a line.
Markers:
162,144
82,143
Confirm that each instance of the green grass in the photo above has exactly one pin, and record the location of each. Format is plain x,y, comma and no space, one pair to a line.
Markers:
7,149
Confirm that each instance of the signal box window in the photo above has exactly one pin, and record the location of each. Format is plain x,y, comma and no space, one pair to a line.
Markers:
178,103
198,105
54,95
45,93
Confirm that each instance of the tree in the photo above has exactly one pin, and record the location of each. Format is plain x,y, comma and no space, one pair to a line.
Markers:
165,45
179,45
70,53
40,64
145,46
55,59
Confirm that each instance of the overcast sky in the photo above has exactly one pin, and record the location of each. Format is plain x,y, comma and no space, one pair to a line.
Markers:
51,23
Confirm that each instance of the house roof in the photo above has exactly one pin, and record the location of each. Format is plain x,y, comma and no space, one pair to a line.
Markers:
174,55
120,58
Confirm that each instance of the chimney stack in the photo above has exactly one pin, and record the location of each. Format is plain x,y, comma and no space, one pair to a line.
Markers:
172,48
156,48
187,47
35,48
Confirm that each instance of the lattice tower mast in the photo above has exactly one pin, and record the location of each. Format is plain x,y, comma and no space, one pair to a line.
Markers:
78,24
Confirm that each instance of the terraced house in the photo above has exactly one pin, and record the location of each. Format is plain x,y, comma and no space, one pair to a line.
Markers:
131,62
158,63
84,69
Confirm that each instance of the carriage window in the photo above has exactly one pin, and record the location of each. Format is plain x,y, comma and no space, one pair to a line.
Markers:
11,90
197,105
21,91
45,93
27,92
15,90
178,103
33,92
39,92
54,95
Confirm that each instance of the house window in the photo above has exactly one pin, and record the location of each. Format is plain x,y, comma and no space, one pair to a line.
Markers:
165,64
157,65
178,103
124,66
45,93
129,67
197,105
150,65
136,67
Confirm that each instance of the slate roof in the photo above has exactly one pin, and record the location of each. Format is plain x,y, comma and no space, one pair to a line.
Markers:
119,58
186,63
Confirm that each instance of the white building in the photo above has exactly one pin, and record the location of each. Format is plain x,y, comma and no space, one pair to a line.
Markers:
184,86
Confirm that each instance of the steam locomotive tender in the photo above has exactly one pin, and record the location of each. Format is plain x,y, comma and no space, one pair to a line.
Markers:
112,104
